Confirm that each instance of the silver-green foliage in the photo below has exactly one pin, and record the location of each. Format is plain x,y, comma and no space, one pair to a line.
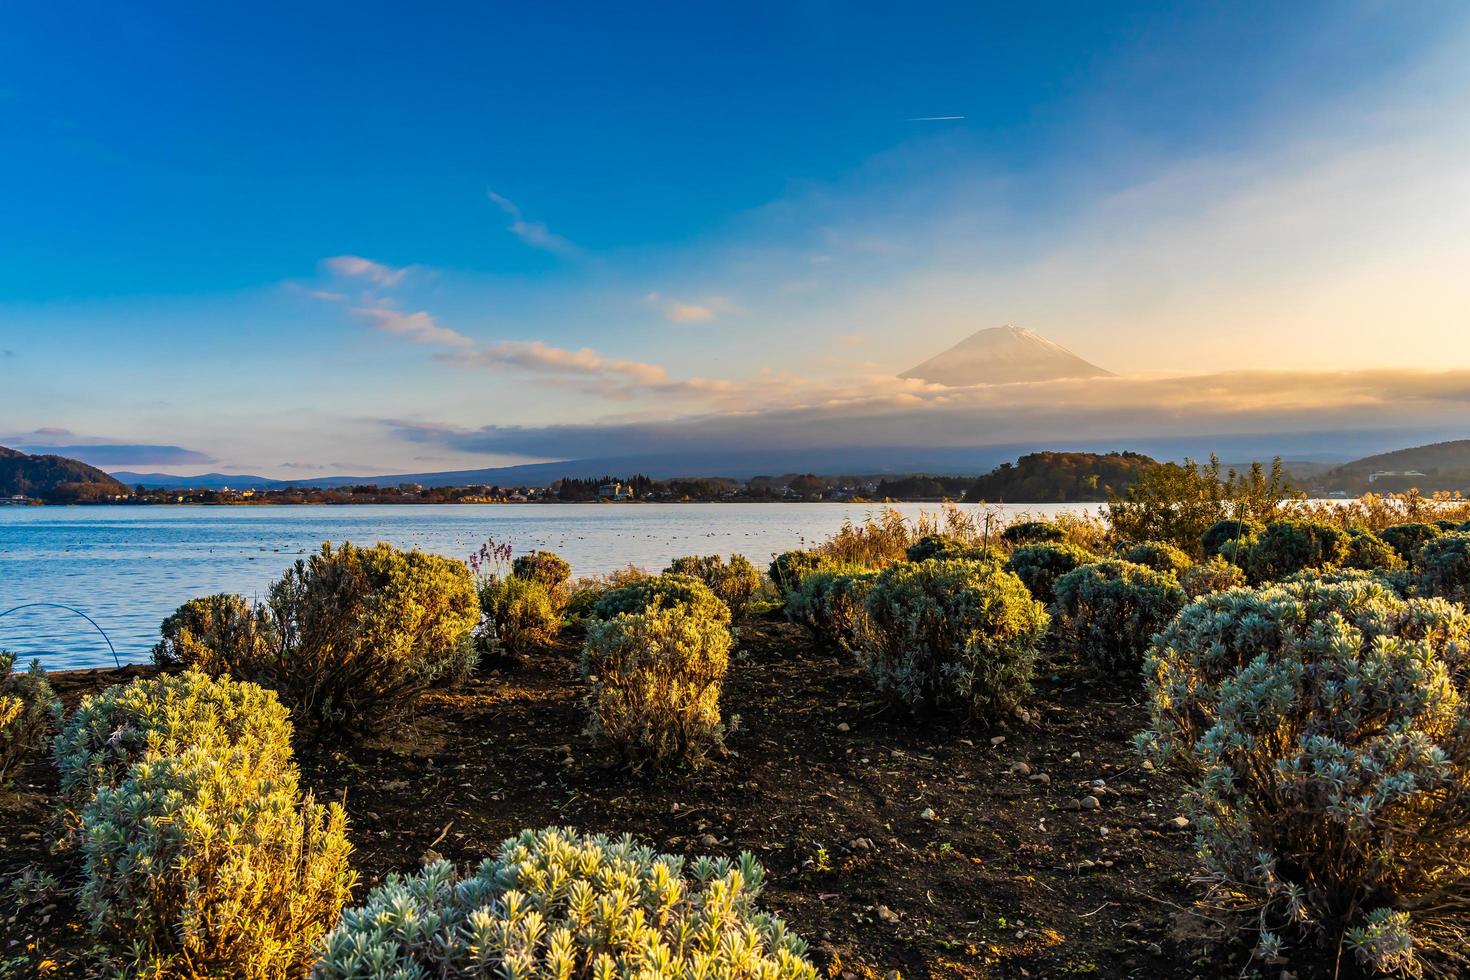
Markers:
1214,574
951,635
197,865
829,603
26,707
1111,610
553,905
1326,733
1161,556
157,717
735,582
1444,567
1040,565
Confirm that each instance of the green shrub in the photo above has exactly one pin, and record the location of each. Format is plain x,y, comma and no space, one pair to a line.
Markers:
545,567
1444,567
951,635
552,904
789,567
216,634
1407,539
1328,741
521,614
1222,533
197,866
159,717
1033,532
1040,565
1292,546
1160,556
830,604
734,582
1214,574
946,548
355,635
1112,609
1444,524
583,594
654,678
1370,552
26,707
668,589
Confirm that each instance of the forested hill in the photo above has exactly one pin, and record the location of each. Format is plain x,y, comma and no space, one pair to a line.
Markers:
1060,477
53,478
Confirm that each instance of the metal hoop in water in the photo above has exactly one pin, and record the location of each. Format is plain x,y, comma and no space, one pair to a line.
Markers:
56,605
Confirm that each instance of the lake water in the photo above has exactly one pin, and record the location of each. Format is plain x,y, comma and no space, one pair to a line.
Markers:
129,567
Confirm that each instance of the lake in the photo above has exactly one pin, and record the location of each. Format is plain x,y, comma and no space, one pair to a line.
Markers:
129,567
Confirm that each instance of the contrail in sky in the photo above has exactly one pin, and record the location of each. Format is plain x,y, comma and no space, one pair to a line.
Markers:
934,118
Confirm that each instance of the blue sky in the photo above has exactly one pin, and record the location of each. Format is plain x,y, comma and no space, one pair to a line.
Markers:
308,238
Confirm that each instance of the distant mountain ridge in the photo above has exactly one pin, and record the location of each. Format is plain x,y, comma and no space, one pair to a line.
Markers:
1004,355
50,477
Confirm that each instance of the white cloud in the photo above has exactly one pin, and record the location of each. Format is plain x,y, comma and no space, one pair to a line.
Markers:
420,327
533,233
357,267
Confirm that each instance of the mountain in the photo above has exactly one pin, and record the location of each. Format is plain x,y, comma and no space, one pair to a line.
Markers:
204,481
1001,355
53,478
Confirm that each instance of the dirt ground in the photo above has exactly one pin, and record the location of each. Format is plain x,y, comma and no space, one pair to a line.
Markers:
1045,849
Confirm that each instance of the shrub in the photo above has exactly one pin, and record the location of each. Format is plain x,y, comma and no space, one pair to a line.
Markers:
734,582
1032,532
1160,556
216,634
1444,567
158,717
1407,539
582,595
789,567
1370,552
1214,574
196,865
26,707
945,548
1329,743
521,614
1179,503
552,903
668,589
1113,608
1451,525
546,567
1040,565
357,634
1291,546
654,677
1222,533
951,635
830,604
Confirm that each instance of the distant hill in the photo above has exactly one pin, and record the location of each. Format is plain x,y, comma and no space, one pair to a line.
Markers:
1002,355
1060,477
204,481
53,478
1437,466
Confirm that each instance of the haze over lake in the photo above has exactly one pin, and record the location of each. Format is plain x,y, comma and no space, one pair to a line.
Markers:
129,567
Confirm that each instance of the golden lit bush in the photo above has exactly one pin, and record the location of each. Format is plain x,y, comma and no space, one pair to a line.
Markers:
668,589
26,706
945,548
1407,539
521,614
1229,532
355,635
553,905
1160,556
735,582
1326,734
790,567
951,635
1371,553
1110,610
829,603
654,677
216,634
194,865
1214,574
158,717
1032,532
546,567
